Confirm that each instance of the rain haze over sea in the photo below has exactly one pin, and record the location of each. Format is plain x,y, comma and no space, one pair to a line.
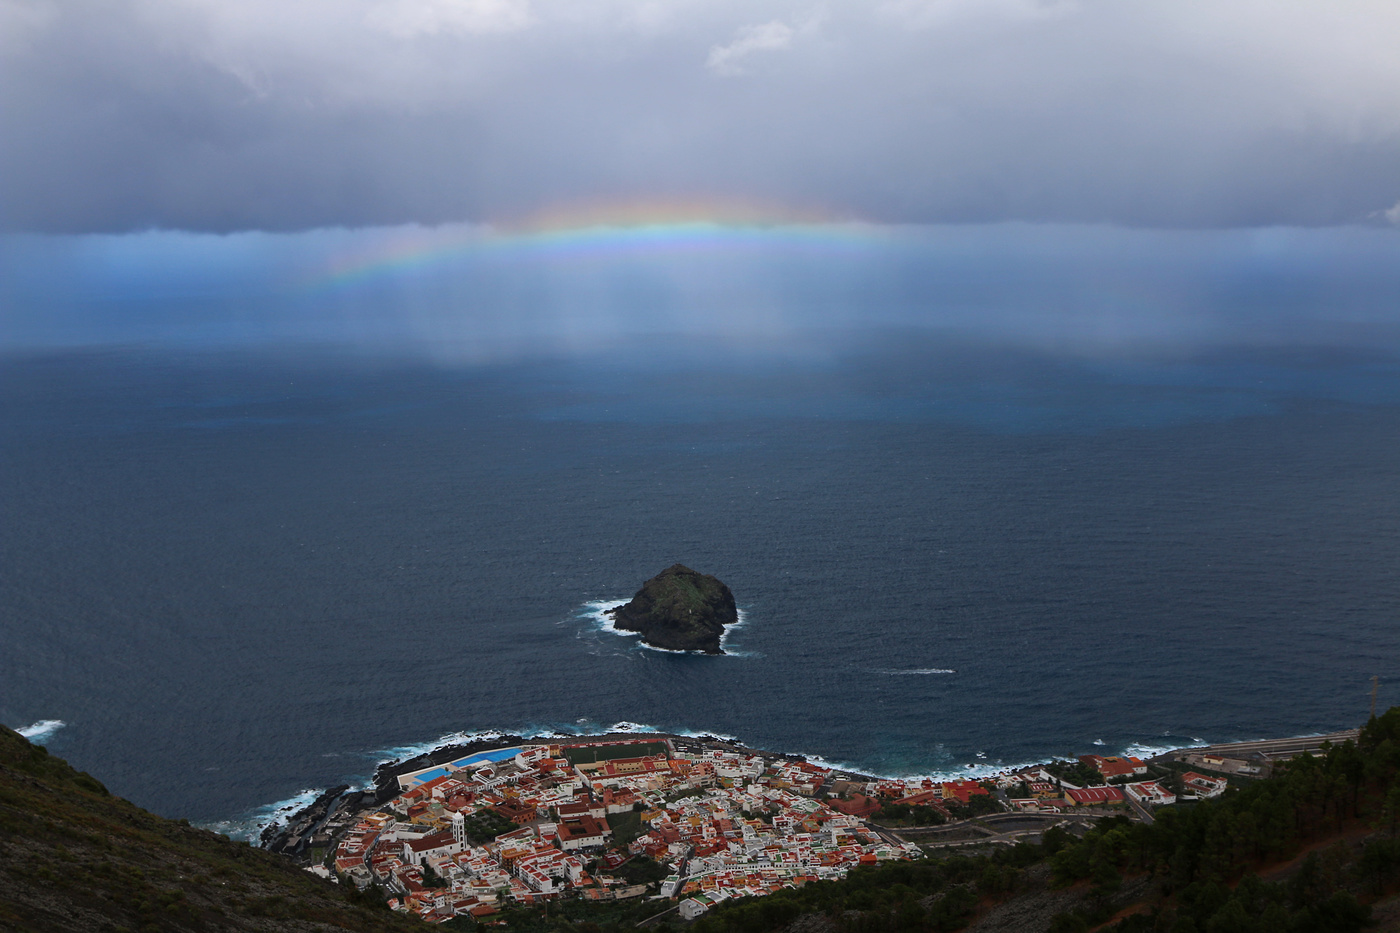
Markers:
1030,370
233,577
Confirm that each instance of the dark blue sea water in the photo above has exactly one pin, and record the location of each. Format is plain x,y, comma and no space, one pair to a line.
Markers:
236,577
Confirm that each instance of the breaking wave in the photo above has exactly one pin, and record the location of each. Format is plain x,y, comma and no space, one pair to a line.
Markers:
596,613
41,730
250,826
579,728
1152,750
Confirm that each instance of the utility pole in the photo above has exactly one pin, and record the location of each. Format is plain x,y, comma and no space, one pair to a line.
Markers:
1375,686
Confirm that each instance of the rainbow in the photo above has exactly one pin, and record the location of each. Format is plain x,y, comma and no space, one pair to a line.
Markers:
592,233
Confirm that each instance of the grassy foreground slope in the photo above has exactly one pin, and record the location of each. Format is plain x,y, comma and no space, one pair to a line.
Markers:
1315,849
74,857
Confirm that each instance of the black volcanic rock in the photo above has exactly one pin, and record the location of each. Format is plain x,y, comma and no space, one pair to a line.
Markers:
680,610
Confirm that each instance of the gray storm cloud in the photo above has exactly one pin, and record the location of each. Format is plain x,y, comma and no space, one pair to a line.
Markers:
269,114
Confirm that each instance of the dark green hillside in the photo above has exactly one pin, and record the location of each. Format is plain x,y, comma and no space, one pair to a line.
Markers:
73,857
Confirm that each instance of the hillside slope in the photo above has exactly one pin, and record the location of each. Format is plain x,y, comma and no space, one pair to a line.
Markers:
74,857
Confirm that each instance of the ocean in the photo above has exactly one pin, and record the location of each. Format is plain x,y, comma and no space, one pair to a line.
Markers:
234,578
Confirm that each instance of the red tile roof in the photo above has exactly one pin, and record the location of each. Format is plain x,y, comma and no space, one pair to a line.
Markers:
1092,795
442,837
963,790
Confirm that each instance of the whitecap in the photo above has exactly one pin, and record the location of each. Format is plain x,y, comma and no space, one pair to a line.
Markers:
708,734
901,672
742,619
957,773
42,730
830,765
577,729
250,826
970,771
632,727
597,611
1143,750
404,752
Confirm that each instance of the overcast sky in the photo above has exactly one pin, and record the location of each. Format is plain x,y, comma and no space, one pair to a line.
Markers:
1083,175
227,115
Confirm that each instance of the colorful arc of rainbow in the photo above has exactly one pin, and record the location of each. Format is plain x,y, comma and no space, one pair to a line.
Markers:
418,249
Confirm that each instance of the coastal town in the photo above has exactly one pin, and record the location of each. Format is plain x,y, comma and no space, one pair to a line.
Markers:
691,823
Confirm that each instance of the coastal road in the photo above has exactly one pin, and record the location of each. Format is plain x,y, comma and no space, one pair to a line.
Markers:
1275,748
655,917
1139,809
883,833
1044,819
1003,828
1009,838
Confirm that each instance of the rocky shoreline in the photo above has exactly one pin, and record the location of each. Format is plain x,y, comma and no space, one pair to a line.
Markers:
385,786
298,835
292,836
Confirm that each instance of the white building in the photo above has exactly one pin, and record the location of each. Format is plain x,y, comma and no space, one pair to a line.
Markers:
1151,793
695,906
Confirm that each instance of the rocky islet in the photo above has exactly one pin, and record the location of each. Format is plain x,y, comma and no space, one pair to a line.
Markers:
679,609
